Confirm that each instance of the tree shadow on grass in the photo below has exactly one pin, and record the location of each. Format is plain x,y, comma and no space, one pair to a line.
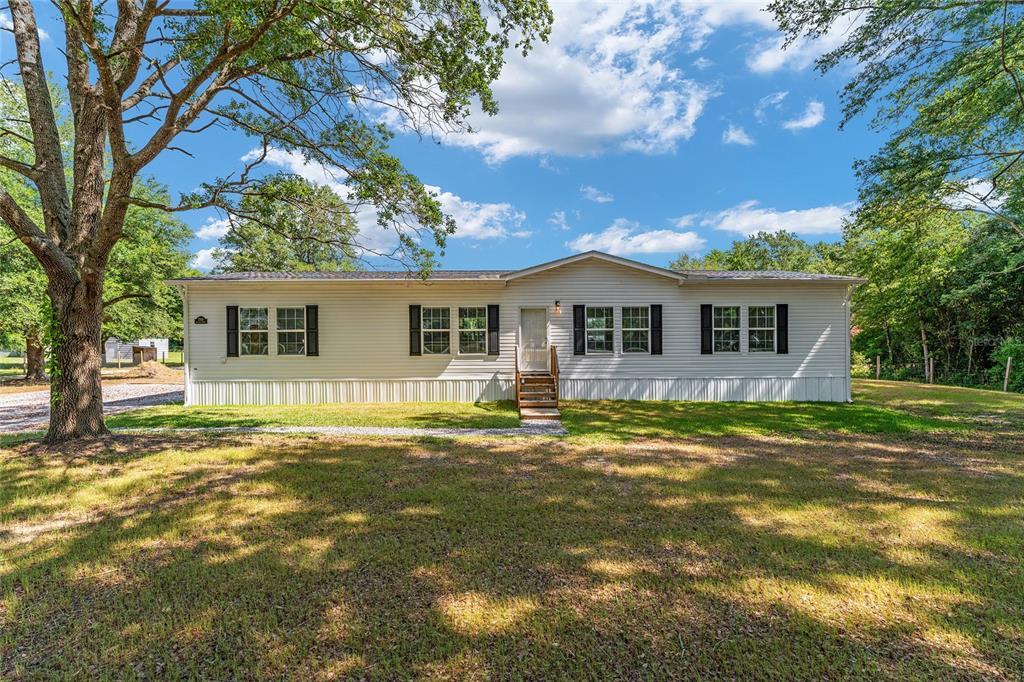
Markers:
456,415
740,557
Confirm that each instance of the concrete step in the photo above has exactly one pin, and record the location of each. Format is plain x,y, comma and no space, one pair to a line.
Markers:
539,413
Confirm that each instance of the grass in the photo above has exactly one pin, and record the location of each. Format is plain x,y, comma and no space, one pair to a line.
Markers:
761,554
878,407
426,415
11,367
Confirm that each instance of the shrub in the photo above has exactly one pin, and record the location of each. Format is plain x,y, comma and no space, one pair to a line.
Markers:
1014,347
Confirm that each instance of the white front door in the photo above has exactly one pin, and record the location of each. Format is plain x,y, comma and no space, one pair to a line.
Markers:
533,339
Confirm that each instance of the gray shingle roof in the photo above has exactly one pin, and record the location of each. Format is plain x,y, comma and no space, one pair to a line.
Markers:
766,274
497,275
367,275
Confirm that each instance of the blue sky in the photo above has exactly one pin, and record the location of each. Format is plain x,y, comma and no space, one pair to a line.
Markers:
642,129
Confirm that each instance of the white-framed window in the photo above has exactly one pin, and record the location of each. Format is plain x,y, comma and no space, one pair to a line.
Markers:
600,329
761,329
726,325
473,330
253,332
436,330
291,331
636,329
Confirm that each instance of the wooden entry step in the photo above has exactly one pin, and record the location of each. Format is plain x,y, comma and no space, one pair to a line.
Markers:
537,392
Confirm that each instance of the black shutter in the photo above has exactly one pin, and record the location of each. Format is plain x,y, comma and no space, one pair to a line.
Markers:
782,328
493,337
414,330
706,334
312,330
232,331
655,330
579,330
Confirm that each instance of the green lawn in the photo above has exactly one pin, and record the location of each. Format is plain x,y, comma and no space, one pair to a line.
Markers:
758,554
426,415
10,367
878,407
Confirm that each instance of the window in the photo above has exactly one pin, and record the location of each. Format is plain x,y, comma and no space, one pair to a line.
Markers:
636,329
600,330
761,328
473,330
436,331
727,329
252,331
291,331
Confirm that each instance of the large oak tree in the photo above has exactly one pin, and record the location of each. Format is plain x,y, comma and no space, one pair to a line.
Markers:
145,78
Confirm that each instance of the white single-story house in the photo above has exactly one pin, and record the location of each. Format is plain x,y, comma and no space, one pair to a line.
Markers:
115,349
598,326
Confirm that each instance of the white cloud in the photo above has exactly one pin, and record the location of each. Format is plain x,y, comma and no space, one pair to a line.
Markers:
813,115
737,135
623,237
7,24
558,220
769,101
522,234
769,55
480,221
748,218
977,195
602,82
684,220
474,220
702,63
203,259
591,193
214,228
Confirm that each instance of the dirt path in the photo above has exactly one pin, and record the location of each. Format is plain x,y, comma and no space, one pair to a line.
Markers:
31,411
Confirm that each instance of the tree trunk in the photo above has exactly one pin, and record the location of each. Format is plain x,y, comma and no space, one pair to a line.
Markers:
888,343
34,370
76,400
924,347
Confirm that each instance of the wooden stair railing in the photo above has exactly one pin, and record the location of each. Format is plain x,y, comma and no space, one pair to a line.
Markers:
554,370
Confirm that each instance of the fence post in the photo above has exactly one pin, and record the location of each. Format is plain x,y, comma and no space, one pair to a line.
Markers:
1006,377
878,367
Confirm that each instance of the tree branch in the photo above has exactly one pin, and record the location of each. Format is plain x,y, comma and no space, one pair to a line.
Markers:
125,297
49,161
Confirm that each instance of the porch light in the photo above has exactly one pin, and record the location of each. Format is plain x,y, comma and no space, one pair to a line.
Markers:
558,307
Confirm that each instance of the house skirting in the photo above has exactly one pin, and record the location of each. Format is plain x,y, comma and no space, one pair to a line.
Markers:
300,392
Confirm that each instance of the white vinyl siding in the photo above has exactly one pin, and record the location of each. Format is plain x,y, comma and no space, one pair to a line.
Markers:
379,366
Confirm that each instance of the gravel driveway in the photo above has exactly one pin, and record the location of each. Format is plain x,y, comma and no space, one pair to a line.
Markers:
31,411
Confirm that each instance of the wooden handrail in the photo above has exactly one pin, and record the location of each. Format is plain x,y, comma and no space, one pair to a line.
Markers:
554,369
517,375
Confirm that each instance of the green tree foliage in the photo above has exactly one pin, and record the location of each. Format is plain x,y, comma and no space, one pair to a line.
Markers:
312,79
767,251
947,78
293,225
139,303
